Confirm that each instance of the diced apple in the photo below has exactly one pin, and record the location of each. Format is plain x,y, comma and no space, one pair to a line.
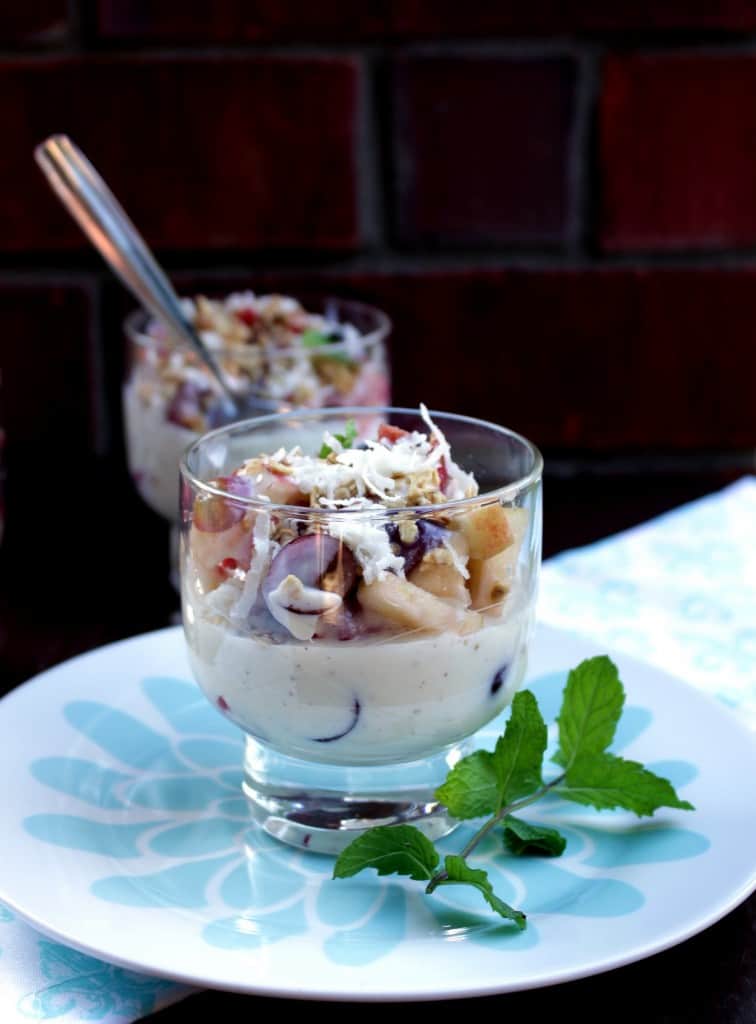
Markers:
491,578
441,579
213,553
401,603
487,530
386,432
279,487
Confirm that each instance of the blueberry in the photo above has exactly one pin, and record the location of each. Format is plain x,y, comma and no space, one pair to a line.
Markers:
356,709
429,535
187,404
499,679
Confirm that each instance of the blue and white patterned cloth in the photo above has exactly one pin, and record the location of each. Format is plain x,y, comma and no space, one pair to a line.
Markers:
679,592
44,980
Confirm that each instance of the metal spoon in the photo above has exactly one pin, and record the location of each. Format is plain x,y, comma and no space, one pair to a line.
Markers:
104,221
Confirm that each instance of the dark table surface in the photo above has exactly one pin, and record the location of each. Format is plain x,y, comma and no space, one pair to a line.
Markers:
115,572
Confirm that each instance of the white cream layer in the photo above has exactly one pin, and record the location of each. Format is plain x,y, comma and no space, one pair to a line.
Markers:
154,447
359,702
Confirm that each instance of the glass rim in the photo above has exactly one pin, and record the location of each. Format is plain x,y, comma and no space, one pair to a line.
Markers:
504,493
135,323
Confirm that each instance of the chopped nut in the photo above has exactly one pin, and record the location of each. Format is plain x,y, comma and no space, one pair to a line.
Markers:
408,532
284,535
438,556
339,374
205,316
278,467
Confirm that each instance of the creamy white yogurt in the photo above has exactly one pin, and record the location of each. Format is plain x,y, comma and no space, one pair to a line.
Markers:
359,702
154,446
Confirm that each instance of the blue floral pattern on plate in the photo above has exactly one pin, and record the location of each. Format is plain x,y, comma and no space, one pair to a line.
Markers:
174,794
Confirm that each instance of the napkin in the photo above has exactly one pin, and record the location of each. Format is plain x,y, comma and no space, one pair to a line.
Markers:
45,980
678,591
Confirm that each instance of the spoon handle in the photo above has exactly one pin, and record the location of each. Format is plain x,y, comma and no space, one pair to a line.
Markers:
91,203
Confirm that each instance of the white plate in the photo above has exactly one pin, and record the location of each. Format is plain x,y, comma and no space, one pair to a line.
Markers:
124,835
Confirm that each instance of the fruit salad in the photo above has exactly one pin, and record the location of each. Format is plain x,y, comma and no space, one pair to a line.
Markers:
360,604
266,345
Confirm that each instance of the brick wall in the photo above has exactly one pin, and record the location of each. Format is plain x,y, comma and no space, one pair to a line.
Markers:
556,202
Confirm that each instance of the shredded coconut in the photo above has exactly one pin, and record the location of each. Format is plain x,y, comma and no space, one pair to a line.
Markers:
371,546
463,485
399,474
262,555
459,563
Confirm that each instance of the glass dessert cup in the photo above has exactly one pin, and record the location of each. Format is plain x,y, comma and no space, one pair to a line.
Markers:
407,628
170,398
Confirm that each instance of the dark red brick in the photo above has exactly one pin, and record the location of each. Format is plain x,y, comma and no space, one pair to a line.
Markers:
482,149
47,396
240,21
237,21
649,15
213,152
678,151
481,18
34,23
596,360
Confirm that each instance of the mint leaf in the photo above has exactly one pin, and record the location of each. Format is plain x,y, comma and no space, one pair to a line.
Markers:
313,339
458,873
471,788
518,756
591,706
605,781
520,838
350,433
347,439
391,850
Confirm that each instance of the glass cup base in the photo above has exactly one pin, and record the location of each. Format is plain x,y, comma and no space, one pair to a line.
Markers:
324,807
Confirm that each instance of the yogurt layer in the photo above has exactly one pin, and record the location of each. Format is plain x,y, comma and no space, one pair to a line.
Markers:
361,702
154,447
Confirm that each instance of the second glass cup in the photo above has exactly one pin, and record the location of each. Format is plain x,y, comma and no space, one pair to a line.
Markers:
331,353
358,642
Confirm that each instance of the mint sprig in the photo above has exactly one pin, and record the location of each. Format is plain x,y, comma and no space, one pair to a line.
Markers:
484,782
497,783
346,439
458,872
520,838
606,782
471,788
391,850
591,707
